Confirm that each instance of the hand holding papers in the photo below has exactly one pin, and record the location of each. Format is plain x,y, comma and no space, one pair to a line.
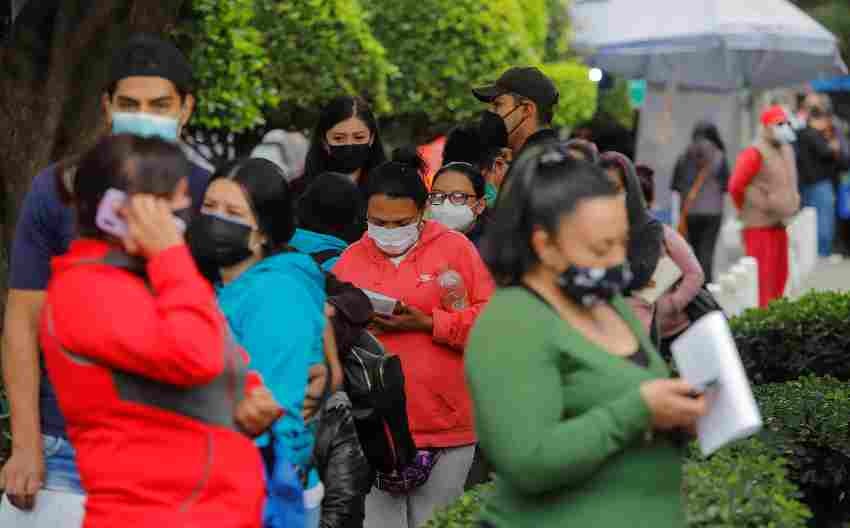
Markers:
708,359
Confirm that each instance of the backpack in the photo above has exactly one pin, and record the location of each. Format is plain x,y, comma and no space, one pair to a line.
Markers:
374,382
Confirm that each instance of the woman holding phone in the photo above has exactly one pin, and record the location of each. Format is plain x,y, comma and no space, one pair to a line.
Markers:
403,257
157,399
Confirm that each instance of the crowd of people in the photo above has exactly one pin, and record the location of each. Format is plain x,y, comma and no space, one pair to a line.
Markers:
359,345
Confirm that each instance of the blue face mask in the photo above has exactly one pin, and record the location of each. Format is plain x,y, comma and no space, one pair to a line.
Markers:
145,125
490,194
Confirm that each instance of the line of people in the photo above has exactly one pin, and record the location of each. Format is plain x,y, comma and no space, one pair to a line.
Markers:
180,356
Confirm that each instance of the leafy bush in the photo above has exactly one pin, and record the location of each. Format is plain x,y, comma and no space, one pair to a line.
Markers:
464,512
807,421
745,485
790,339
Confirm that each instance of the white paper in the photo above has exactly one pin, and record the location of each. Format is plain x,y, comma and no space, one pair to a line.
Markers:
706,353
381,303
665,276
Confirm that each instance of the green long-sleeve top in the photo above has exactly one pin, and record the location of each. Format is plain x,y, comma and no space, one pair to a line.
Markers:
563,423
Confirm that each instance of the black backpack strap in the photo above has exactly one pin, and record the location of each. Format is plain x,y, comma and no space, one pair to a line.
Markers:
323,256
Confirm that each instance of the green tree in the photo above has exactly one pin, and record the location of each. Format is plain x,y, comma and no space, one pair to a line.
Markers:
578,92
321,49
444,47
53,69
229,58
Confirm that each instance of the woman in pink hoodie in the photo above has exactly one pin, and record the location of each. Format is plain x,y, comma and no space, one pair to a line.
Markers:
670,313
405,257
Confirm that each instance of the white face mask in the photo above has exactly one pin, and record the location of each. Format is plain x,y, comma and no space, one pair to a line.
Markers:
456,217
784,133
394,241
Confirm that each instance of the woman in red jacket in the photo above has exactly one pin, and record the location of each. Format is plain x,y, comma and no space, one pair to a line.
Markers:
157,399
406,258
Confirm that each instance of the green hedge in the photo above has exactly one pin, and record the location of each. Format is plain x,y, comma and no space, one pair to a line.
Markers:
790,339
808,422
745,486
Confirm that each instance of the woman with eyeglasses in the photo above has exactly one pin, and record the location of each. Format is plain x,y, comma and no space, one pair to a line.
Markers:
574,408
402,256
457,199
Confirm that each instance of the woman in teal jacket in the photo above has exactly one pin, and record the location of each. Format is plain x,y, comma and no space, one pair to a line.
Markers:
273,297
573,405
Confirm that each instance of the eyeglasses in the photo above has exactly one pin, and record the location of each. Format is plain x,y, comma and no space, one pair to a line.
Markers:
456,198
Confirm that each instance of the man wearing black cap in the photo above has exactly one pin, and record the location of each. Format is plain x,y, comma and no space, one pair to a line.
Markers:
525,98
149,93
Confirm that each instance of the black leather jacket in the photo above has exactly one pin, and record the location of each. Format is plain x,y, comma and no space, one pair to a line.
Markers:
343,468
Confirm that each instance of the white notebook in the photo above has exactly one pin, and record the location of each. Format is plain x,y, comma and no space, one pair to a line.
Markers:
708,359
666,274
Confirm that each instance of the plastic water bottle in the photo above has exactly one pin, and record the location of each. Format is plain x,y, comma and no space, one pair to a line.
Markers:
452,291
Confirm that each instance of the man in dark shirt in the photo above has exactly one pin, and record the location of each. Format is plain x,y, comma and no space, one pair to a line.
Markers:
820,160
525,98
149,93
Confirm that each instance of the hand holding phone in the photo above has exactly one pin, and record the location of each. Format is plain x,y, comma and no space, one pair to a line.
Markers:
107,218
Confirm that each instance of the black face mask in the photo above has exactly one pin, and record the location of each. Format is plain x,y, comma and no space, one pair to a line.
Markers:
348,158
217,240
494,133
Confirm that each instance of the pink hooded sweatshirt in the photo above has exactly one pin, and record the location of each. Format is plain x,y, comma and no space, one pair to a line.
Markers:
438,404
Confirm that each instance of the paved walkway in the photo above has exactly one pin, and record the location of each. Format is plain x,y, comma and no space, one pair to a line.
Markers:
833,276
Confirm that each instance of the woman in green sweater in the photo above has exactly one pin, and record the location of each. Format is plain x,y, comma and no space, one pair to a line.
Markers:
574,408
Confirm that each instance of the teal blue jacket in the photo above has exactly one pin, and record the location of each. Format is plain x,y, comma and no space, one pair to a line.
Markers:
276,312
312,242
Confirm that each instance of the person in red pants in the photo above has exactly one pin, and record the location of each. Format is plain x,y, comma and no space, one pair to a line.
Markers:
763,187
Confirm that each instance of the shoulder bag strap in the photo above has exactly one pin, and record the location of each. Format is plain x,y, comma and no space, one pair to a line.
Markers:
690,199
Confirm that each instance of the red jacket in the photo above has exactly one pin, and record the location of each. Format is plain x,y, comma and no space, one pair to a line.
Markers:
148,384
438,404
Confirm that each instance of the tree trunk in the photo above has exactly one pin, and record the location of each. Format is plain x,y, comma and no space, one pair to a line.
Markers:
53,69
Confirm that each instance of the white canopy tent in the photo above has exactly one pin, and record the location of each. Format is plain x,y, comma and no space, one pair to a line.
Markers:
706,44
703,59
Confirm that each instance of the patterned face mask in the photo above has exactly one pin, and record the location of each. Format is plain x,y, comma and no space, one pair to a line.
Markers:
591,286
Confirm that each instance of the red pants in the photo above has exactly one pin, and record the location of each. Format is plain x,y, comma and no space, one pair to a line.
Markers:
769,246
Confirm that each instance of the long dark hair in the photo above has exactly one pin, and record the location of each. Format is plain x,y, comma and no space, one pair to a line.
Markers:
124,162
335,112
545,185
646,234
267,192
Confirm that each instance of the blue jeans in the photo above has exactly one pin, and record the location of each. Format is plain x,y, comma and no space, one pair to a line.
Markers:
61,466
60,503
821,196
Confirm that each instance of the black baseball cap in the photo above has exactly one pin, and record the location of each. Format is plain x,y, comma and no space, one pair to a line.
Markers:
528,82
146,55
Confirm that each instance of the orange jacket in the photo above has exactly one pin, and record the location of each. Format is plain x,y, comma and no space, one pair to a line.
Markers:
438,404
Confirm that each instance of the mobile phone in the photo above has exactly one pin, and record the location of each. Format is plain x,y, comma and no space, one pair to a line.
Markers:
107,218
382,304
